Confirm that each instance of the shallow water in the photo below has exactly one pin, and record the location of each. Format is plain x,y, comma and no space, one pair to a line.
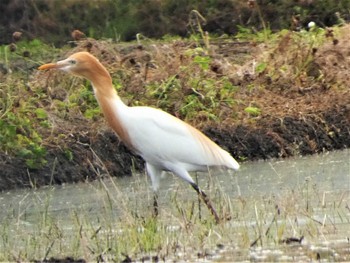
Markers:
323,179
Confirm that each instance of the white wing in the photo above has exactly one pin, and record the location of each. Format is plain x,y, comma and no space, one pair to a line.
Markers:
160,138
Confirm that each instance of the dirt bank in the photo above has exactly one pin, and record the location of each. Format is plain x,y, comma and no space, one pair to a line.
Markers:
297,115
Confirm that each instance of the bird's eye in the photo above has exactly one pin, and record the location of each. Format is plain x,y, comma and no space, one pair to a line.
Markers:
73,62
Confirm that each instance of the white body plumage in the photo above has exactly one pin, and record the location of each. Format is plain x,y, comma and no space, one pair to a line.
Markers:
169,144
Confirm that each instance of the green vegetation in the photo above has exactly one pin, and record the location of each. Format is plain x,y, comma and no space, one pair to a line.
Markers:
22,113
193,93
194,84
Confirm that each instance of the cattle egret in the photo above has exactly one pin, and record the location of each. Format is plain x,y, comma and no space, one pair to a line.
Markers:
165,142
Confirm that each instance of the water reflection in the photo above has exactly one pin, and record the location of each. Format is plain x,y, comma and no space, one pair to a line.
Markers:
330,172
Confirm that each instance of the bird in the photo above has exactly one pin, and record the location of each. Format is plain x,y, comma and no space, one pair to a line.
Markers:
165,142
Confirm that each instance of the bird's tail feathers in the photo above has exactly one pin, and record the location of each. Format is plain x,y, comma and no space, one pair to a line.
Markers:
228,161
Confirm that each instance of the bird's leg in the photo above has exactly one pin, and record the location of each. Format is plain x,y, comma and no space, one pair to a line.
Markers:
199,201
155,204
206,200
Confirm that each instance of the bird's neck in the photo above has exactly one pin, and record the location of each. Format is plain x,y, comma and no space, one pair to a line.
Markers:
102,83
113,108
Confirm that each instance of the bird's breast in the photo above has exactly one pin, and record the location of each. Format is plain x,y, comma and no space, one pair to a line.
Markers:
114,113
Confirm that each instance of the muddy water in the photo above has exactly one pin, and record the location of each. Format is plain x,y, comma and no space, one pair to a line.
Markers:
327,174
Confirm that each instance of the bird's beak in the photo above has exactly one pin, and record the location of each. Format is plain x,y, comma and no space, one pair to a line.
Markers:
62,64
49,66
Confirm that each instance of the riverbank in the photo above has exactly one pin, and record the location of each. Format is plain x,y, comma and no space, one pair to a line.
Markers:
285,95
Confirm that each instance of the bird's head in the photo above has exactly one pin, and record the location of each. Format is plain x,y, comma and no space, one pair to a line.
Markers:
81,64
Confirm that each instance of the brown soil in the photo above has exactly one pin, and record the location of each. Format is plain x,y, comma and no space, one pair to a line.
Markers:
301,115
60,260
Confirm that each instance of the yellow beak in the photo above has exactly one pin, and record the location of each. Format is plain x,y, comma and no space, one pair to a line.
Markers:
48,66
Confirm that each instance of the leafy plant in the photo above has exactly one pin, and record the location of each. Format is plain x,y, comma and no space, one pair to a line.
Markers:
21,114
307,43
19,137
202,61
248,34
254,111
